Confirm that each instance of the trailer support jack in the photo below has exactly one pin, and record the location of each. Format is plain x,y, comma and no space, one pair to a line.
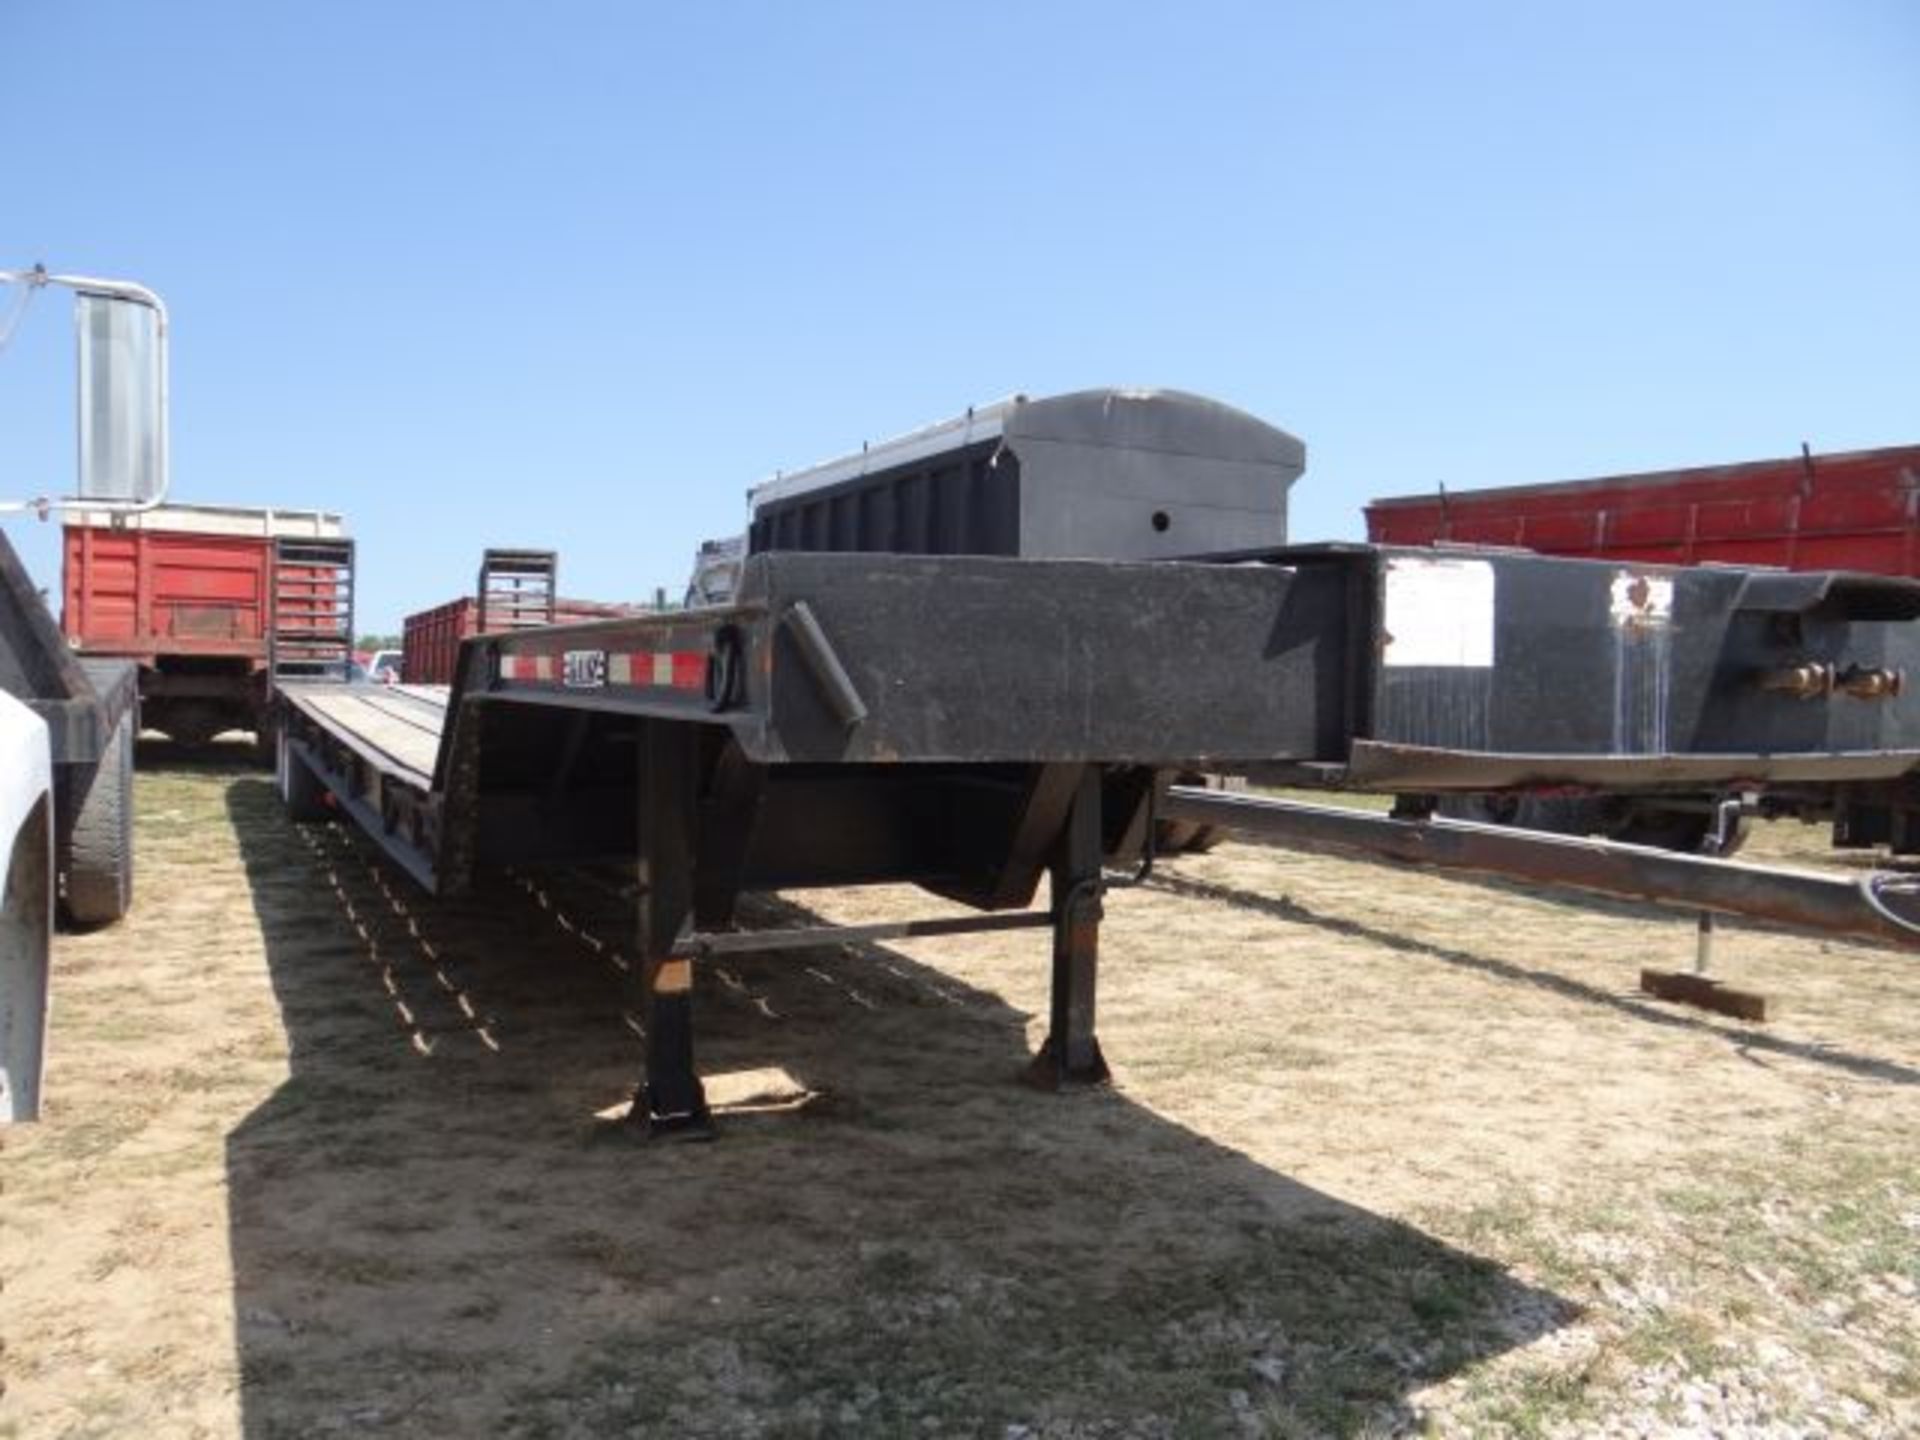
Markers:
672,1101
1071,1054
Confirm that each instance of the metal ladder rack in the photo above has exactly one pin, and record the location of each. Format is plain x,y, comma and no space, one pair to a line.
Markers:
516,589
310,636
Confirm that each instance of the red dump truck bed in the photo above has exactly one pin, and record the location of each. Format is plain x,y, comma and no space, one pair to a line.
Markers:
188,592
430,639
1855,510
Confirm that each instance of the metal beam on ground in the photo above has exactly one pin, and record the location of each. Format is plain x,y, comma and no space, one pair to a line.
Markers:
1870,908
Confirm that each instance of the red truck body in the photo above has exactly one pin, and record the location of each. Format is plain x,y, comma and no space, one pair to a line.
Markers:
430,639
188,593
1856,510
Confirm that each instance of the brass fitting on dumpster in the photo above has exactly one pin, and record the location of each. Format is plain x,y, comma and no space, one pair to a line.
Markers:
1803,682
1871,682
1814,679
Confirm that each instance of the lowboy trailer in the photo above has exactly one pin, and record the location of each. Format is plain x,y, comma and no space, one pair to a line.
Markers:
973,723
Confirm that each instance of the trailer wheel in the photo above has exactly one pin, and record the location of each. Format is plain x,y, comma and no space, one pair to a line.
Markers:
99,888
300,789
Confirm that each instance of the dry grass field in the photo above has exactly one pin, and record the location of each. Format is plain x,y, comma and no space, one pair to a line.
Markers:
1385,1153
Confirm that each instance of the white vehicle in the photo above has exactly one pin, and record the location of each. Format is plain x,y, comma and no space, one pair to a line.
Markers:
384,667
26,906
67,724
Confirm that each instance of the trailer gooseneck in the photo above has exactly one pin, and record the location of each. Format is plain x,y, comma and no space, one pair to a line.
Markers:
966,724
973,723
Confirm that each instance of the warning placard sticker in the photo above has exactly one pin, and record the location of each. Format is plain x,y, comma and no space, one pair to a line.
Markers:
1438,612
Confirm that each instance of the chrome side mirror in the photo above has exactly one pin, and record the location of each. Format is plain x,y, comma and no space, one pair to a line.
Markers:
121,334
123,384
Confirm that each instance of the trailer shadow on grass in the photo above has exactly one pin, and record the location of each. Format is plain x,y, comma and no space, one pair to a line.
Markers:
433,1233
233,751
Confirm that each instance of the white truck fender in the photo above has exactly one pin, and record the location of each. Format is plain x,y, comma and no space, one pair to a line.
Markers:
26,907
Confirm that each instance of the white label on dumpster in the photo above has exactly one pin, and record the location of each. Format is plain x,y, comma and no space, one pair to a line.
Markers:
1438,612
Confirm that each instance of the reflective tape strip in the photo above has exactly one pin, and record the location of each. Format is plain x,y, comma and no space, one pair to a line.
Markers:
526,667
662,669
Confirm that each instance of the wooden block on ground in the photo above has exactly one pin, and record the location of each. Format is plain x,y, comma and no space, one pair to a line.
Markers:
1704,992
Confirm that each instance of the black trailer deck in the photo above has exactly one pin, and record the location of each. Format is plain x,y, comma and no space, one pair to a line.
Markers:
396,727
971,724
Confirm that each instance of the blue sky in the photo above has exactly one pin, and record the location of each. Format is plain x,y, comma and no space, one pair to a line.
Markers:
577,274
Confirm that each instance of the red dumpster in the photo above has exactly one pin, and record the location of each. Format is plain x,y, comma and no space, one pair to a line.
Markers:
188,591
1855,510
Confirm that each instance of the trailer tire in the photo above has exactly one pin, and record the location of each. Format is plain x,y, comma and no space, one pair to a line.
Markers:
300,789
99,888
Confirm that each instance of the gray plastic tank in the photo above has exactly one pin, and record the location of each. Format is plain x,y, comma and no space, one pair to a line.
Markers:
1096,474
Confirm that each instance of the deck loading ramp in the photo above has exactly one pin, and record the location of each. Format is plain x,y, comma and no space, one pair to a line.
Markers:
971,724
310,634
516,588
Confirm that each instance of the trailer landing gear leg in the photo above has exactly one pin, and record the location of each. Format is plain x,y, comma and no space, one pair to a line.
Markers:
1071,1054
672,1101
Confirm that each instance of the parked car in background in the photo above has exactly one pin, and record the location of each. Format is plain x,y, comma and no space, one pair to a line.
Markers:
383,667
